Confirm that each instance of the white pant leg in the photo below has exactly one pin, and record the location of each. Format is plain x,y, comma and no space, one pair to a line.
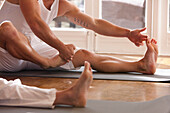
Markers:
13,93
10,64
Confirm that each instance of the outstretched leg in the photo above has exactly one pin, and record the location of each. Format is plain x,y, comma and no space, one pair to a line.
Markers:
77,94
109,64
19,47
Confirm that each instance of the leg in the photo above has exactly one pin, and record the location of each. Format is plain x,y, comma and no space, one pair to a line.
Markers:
77,94
22,95
19,47
110,64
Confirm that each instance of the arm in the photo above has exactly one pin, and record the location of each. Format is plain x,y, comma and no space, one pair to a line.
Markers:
100,26
31,12
13,93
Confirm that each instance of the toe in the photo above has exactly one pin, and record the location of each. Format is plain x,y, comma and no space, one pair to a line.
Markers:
155,46
154,41
148,43
87,66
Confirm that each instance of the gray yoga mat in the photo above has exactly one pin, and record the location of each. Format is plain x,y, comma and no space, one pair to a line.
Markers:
161,75
161,105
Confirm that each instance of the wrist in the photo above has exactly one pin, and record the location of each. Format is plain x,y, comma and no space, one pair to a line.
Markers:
128,33
61,47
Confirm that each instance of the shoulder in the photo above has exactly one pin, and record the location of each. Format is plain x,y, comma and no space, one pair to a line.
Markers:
66,7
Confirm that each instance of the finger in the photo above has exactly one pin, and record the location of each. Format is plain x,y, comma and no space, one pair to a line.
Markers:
144,36
137,44
74,47
143,29
72,54
66,60
141,44
143,39
140,41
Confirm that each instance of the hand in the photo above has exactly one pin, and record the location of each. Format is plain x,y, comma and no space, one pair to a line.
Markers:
136,37
68,52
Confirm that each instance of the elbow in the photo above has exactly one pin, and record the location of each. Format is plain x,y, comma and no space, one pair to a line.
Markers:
96,22
94,25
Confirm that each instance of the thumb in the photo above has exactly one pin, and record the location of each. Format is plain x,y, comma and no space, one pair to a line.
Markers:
143,29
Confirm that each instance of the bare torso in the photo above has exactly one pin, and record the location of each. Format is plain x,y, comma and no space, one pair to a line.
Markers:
47,3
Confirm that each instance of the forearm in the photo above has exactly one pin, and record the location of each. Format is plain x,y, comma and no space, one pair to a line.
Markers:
108,29
42,30
100,26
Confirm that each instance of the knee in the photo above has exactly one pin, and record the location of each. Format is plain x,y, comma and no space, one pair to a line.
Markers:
7,30
84,52
85,55
6,25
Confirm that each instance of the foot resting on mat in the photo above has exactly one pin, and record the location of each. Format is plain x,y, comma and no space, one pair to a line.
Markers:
77,94
148,63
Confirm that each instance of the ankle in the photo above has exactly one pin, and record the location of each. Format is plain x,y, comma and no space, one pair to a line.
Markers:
141,66
63,97
145,67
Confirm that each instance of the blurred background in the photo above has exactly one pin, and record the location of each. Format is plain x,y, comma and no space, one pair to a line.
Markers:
125,13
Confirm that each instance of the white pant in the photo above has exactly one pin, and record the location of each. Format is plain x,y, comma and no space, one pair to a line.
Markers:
13,93
10,64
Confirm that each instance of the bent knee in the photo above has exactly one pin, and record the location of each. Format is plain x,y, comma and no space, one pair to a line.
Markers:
8,32
6,25
7,29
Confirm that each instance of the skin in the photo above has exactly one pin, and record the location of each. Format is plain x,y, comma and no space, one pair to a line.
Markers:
22,49
31,12
18,46
77,94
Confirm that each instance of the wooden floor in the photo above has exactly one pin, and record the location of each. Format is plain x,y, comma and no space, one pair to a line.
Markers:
111,89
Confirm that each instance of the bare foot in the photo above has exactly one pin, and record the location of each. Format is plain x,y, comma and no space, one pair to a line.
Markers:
148,63
55,62
77,94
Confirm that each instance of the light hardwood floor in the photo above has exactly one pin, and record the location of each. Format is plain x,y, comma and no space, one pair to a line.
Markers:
110,89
